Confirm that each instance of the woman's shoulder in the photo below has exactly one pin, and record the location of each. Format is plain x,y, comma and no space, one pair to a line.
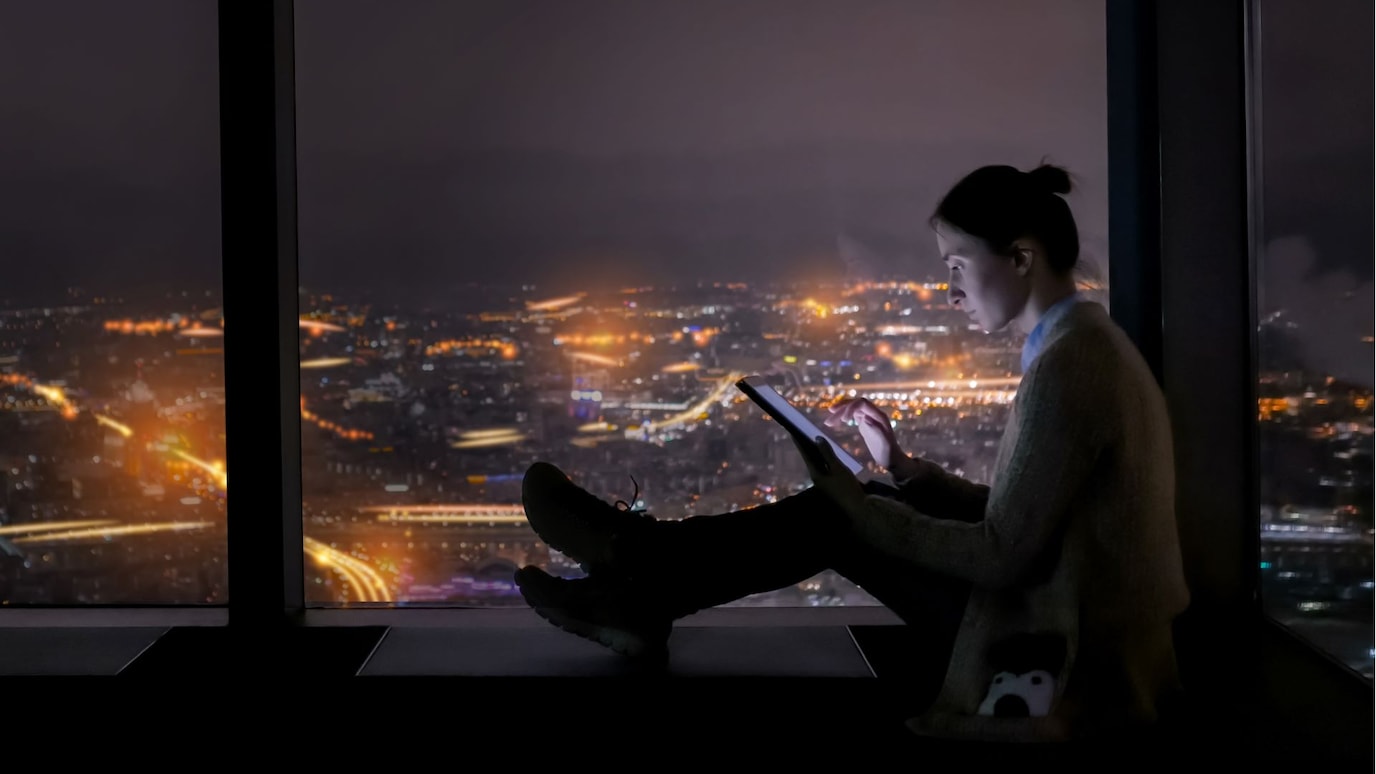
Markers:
1086,335
1093,359
1087,354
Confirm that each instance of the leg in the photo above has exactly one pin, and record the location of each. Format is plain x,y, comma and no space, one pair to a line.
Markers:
704,561
644,573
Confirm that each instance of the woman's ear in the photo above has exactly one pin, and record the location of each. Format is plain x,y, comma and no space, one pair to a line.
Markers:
1026,252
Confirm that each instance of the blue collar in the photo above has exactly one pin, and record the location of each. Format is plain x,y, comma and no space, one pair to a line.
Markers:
1033,346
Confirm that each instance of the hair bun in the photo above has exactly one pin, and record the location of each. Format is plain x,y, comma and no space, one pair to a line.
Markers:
1050,178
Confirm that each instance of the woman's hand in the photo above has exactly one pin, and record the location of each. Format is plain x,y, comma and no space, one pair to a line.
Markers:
830,474
874,428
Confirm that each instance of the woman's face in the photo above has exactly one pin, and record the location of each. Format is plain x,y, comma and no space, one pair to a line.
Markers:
991,288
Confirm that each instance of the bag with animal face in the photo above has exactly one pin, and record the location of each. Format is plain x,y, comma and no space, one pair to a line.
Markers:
1026,668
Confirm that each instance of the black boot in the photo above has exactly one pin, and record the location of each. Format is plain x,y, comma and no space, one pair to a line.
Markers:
610,611
578,524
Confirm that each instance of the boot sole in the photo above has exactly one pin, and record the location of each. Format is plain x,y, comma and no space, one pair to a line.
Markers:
622,641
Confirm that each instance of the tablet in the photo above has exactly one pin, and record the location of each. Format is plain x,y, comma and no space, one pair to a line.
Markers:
793,420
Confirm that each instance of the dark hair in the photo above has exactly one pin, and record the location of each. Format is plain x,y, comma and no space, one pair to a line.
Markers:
1000,204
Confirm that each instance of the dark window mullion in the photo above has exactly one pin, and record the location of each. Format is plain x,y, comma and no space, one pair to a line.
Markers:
1134,175
1206,294
262,372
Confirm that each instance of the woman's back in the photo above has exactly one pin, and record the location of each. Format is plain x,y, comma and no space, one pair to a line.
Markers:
1124,527
1081,517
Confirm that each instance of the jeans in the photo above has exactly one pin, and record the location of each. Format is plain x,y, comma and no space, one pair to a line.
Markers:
708,560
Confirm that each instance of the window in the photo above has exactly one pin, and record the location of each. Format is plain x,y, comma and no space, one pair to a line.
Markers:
546,230
112,432
1314,307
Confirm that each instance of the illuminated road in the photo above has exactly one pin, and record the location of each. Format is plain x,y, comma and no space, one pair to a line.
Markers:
594,358
348,434
215,469
318,326
449,513
118,427
113,531
935,384
326,362
694,412
554,304
51,526
497,436
997,390
365,582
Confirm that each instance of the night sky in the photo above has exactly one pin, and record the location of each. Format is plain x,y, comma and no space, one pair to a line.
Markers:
615,142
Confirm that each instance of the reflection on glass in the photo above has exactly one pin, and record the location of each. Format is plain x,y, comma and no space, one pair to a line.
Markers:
563,235
112,430
1314,295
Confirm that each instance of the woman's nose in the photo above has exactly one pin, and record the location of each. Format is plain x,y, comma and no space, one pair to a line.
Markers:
955,295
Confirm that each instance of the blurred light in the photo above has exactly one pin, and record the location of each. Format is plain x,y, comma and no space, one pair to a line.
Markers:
326,362
317,325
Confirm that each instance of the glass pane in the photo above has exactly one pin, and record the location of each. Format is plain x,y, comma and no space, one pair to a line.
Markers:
557,231
1314,302
112,432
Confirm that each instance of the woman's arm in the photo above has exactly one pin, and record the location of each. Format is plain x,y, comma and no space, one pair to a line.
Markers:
929,488
921,483
1060,425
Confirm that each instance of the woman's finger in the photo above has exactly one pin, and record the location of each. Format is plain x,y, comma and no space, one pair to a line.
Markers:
879,424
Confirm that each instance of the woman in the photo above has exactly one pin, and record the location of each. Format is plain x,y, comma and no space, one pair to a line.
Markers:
1050,594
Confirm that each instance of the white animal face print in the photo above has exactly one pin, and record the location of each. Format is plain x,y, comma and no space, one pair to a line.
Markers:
1025,695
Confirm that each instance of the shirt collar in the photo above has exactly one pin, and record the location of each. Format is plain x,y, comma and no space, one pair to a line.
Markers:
1033,346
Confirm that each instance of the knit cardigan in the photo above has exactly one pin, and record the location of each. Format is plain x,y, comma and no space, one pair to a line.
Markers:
1075,536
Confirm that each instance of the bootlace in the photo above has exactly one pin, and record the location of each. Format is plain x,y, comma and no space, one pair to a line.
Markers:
630,507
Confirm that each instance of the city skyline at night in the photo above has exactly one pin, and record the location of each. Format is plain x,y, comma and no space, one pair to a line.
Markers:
416,429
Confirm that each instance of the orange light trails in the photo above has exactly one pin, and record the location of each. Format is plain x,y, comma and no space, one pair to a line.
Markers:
491,432
680,368
466,513
51,526
694,412
940,385
54,395
589,357
507,349
366,583
326,362
108,532
216,470
145,327
925,393
201,333
57,397
554,303
319,326
339,430
118,427
921,289
483,438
